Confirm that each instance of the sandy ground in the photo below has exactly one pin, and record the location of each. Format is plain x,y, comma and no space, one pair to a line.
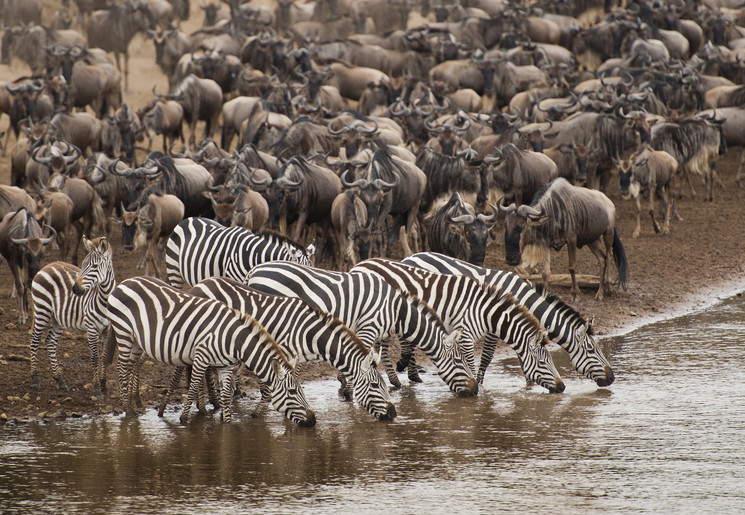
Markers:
699,262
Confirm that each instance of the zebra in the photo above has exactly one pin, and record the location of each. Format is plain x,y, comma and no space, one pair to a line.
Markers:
170,326
308,333
565,326
372,309
476,309
72,298
199,248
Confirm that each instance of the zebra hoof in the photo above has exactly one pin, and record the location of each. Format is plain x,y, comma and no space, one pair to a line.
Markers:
345,394
35,382
183,419
414,376
61,384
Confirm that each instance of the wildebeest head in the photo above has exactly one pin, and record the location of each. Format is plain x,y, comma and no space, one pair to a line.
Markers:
515,223
129,227
26,234
474,230
624,178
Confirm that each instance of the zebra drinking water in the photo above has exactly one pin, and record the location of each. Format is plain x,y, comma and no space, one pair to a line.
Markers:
199,248
372,309
308,333
72,298
169,325
565,326
476,309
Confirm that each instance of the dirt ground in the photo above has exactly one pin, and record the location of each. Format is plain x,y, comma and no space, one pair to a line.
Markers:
699,260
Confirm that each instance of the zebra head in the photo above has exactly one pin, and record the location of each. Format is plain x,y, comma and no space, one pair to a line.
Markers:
538,365
457,374
587,357
371,391
298,254
97,267
288,396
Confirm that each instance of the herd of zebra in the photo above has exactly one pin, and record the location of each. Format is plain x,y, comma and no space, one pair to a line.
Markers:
256,301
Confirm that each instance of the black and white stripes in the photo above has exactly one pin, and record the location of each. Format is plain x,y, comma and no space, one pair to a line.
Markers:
307,333
476,309
199,248
372,309
173,327
565,326
72,298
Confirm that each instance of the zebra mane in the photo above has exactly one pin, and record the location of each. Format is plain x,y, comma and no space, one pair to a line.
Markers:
424,307
279,238
553,299
332,321
249,320
512,300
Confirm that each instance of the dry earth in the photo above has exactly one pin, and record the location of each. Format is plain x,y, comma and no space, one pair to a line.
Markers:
700,261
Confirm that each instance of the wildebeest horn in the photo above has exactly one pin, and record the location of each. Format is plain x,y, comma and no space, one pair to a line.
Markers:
211,184
462,219
488,218
495,158
509,117
123,173
47,241
14,240
345,128
362,183
529,211
398,108
382,185
72,158
505,209
258,182
428,125
40,159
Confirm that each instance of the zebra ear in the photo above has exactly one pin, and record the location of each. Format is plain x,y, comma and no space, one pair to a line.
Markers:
277,367
104,244
453,338
88,243
293,362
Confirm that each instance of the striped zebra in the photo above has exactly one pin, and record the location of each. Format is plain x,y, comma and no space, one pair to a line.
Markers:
565,326
308,333
75,299
373,310
476,310
170,326
199,248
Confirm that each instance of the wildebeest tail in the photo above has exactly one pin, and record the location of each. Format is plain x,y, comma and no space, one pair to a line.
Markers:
619,255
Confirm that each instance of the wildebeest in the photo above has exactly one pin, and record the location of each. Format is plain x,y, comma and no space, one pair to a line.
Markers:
456,230
562,214
616,135
181,177
80,129
519,173
166,117
349,218
157,215
695,143
302,195
22,244
13,198
649,172
201,99
54,208
119,133
112,29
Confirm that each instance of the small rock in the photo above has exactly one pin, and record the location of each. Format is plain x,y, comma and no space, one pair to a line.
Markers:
2,311
3,418
94,398
67,399
77,414
14,398
632,314
27,397
10,326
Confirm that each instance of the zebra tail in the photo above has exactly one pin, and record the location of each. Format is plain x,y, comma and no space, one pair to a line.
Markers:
619,255
109,348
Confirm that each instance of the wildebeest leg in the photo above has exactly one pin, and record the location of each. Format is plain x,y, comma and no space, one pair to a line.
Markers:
20,289
666,204
687,173
572,253
637,227
404,241
740,180
652,195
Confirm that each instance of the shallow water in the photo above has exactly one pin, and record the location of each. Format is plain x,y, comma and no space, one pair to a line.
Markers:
668,435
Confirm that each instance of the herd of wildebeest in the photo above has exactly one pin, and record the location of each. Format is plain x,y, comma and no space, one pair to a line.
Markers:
355,125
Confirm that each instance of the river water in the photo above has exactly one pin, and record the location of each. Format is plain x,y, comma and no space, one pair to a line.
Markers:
667,436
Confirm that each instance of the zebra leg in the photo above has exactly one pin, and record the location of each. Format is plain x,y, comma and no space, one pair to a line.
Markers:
487,354
198,370
266,397
36,336
175,380
346,388
94,344
134,382
225,379
52,337
386,360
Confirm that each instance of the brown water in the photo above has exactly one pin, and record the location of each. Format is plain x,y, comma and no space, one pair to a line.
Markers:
667,436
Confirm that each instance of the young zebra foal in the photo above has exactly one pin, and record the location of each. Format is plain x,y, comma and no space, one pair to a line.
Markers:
173,327
72,298
306,333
